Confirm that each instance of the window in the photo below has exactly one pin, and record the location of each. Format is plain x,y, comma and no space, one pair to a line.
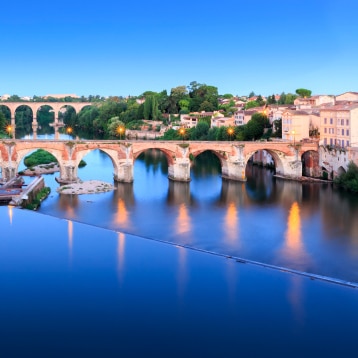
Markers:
325,141
347,122
325,130
325,121
331,141
347,132
347,143
342,122
331,120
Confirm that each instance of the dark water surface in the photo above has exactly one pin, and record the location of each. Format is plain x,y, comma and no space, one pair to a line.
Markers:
74,290
307,227
70,289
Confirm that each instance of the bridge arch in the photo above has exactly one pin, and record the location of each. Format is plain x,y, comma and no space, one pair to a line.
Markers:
276,156
170,155
341,171
21,154
113,155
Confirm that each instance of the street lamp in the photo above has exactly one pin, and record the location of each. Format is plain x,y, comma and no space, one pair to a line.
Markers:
9,130
69,131
182,132
120,130
230,132
294,139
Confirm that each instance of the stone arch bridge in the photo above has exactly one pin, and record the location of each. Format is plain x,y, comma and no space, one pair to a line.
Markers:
233,156
35,106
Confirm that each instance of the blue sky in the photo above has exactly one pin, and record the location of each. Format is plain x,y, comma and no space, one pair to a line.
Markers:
125,48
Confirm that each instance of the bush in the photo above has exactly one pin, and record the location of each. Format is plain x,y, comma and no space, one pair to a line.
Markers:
39,157
349,180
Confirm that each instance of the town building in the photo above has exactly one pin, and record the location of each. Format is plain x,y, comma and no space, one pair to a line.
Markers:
348,96
191,120
339,124
313,101
295,125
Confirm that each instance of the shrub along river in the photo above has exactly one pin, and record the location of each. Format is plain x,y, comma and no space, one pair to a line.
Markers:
113,291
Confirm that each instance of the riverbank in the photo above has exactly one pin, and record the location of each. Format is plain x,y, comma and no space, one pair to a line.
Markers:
86,187
41,169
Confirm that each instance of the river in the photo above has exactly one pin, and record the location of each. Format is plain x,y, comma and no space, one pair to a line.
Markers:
309,227
152,268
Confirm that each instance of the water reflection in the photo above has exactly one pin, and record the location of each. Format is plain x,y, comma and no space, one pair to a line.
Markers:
287,223
183,222
10,213
68,203
70,239
293,250
260,183
295,295
232,223
120,256
182,273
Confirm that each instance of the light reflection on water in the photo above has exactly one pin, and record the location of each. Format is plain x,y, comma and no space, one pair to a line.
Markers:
309,227
119,290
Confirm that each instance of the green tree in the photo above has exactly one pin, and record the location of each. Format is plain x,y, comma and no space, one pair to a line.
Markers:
200,132
277,125
303,92
254,129
251,104
260,100
282,99
271,99
3,122
349,180
114,126
150,110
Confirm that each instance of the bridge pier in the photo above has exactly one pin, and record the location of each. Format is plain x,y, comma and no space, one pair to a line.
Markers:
291,168
179,170
124,172
13,126
234,170
68,173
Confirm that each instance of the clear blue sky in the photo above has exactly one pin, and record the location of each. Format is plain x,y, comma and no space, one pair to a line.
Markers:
114,47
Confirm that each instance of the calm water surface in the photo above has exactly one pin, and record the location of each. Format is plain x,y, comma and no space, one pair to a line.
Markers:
70,289
308,227
75,290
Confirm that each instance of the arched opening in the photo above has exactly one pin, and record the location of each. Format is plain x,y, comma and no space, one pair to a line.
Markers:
205,174
85,118
95,164
326,173
40,162
67,121
151,173
5,122
262,158
260,172
341,171
23,121
310,164
45,117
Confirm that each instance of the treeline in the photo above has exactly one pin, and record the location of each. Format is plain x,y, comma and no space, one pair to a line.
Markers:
257,128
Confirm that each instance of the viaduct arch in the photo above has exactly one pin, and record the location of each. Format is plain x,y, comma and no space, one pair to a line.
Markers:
35,106
233,156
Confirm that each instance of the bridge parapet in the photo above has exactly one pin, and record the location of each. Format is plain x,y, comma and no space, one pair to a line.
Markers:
233,156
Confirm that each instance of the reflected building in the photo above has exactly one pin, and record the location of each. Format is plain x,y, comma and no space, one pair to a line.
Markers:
68,203
232,223
293,253
70,239
120,255
10,208
179,193
123,198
